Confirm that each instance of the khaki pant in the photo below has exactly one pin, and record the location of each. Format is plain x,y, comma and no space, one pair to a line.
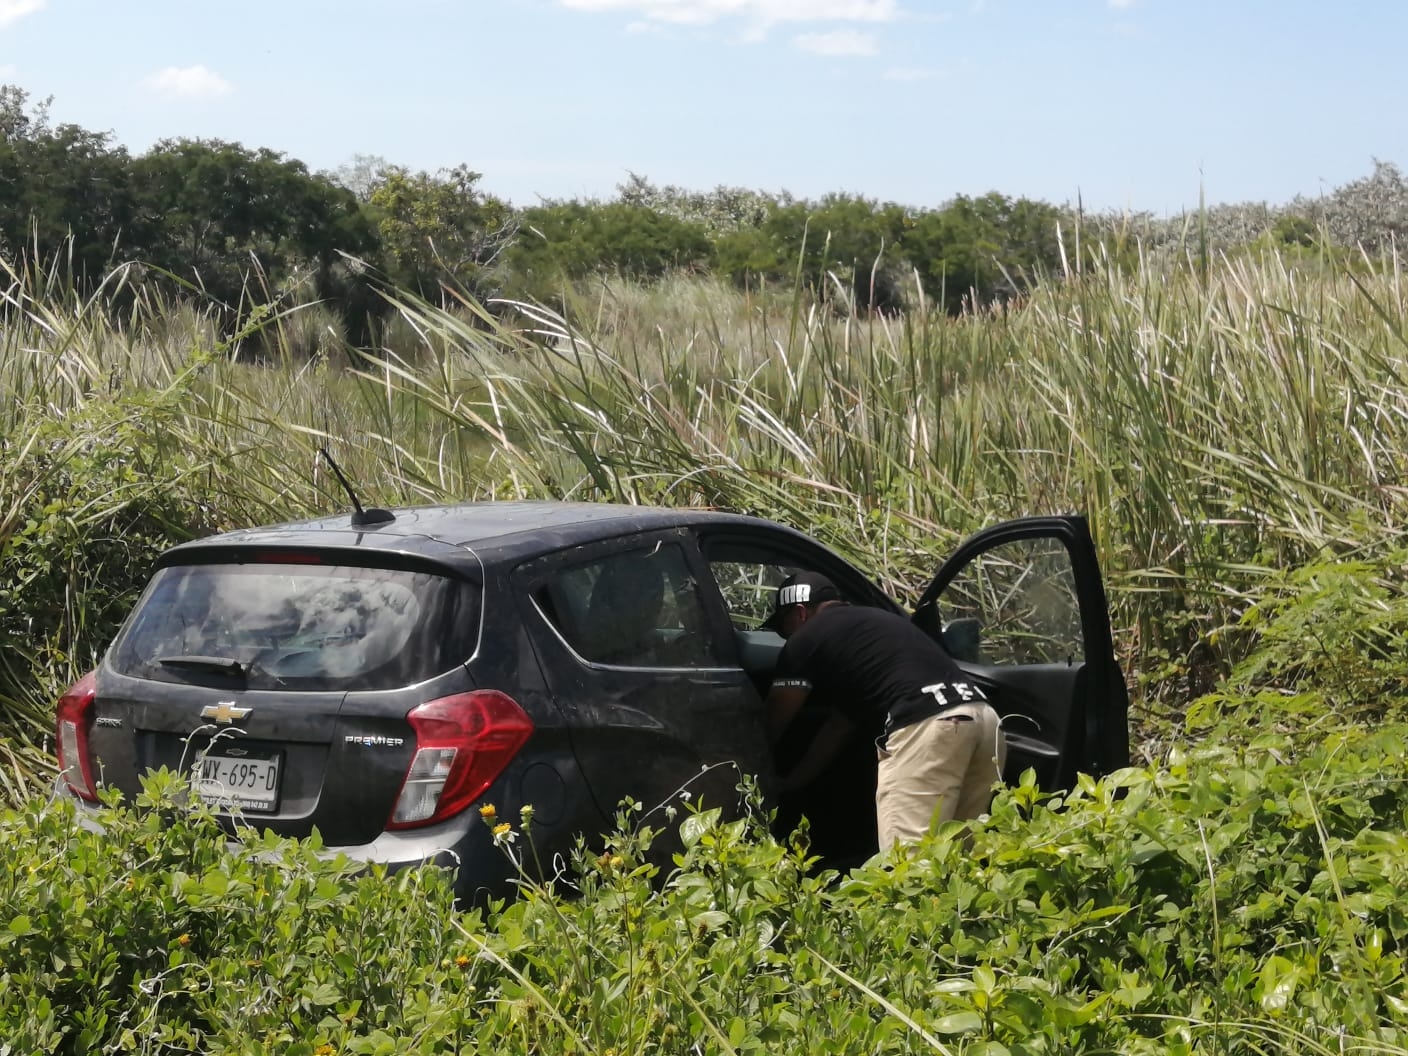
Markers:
936,770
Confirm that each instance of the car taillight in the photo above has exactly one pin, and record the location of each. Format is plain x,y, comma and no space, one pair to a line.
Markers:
462,744
73,719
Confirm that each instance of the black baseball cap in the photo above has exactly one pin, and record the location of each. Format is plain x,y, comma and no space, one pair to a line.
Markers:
801,588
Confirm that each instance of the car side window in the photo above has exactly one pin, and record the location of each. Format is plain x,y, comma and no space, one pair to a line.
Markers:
749,588
1023,596
637,608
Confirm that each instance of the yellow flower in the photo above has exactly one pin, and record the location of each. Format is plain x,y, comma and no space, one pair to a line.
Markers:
461,961
183,939
488,813
503,828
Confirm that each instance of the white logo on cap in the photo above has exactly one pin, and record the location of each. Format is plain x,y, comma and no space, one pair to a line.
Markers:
797,594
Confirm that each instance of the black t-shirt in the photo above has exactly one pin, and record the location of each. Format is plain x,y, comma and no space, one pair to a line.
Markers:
875,667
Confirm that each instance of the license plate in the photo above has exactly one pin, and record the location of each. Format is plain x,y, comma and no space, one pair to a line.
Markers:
246,783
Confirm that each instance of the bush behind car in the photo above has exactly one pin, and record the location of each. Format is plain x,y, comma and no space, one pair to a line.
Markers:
85,501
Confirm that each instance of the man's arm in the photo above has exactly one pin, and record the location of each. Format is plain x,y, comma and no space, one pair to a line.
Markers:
835,734
783,703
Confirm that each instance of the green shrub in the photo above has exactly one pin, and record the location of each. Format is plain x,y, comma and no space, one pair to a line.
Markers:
1235,899
87,501
157,936
1326,644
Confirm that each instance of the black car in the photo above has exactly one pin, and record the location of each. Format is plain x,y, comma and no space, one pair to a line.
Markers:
381,678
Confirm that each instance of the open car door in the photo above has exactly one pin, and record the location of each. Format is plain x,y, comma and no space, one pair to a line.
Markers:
1021,607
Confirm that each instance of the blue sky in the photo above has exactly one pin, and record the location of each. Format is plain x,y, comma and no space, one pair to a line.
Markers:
1133,104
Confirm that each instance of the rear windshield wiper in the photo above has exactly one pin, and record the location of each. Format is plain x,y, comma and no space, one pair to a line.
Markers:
221,665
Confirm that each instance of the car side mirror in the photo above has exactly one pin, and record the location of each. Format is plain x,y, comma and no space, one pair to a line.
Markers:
963,639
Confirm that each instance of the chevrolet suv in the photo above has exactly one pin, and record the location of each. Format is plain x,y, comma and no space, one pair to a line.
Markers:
379,677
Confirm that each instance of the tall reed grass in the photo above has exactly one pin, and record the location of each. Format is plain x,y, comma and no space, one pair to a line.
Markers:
1210,428
1213,424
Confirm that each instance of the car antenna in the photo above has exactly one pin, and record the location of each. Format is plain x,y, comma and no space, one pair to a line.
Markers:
360,518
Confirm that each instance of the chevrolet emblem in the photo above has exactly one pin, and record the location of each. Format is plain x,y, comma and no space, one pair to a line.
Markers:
225,711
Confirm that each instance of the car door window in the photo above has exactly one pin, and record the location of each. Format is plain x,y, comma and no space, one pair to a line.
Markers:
1023,596
749,589
746,569
637,608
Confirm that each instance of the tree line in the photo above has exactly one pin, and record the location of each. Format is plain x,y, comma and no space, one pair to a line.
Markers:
237,224
215,216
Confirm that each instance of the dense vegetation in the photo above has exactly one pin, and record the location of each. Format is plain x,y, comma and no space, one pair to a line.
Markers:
1237,899
1141,399
1225,399
1235,434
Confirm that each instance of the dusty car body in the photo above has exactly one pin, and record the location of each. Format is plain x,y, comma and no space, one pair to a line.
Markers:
380,682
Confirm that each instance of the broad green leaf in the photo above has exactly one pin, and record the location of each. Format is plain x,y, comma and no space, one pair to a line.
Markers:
710,919
737,1031
696,825
1277,983
957,985
957,1023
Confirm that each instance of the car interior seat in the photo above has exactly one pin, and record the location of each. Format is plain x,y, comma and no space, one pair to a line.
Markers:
623,614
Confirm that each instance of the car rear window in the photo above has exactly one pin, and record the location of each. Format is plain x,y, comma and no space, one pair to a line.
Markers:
299,626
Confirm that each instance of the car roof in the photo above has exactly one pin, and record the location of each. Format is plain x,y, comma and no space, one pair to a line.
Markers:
490,531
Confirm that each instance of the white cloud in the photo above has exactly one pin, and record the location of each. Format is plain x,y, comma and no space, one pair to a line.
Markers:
13,10
188,82
841,42
764,12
